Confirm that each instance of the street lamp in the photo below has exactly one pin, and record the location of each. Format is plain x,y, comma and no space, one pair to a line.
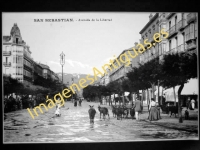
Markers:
62,62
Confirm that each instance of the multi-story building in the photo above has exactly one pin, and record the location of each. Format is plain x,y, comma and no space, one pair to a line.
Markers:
183,37
17,61
38,69
183,34
28,66
182,29
46,72
148,32
120,72
104,80
155,24
54,76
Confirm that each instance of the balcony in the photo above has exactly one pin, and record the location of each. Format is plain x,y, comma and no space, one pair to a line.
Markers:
181,48
169,15
6,53
172,31
181,24
191,17
7,64
191,45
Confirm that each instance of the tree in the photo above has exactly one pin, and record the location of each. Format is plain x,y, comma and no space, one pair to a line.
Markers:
12,85
177,70
115,88
127,86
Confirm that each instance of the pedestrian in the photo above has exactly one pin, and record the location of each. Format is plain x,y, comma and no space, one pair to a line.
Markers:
80,101
154,111
138,109
192,104
57,113
188,102
75,102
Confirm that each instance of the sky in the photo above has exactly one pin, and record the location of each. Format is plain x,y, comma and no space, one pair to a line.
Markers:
86,44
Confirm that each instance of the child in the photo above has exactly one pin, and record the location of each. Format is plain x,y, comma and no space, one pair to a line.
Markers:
57,113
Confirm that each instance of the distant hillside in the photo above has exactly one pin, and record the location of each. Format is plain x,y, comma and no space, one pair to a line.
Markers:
67,79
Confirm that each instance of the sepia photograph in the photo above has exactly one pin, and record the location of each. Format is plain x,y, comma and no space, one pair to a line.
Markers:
87,77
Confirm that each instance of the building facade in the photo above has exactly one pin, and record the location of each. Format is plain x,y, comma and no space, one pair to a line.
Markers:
183,37
120,72
46,72
17,61
182,32
182,29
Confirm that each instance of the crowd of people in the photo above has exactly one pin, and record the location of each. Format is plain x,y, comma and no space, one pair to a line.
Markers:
14,102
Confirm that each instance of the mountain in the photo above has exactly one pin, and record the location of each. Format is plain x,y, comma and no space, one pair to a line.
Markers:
67,79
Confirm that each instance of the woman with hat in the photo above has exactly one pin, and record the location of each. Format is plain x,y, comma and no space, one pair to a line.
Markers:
154,112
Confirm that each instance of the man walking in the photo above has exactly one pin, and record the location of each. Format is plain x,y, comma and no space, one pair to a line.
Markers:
138,109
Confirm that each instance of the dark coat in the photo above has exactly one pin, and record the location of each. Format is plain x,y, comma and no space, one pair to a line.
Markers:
138,106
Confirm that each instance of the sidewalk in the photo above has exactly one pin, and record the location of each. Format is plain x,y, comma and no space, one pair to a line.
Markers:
190,125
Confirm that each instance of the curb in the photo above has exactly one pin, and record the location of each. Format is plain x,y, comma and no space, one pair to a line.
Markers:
175,128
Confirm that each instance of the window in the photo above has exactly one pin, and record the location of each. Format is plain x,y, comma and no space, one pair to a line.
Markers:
170,45
176,38
17,40
175,22
14,59
191,31
153,27
149,31
163,48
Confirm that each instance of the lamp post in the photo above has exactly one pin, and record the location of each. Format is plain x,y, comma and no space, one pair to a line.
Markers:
62,62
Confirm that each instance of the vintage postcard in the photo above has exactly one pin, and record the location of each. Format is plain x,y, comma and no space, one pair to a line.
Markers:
84,77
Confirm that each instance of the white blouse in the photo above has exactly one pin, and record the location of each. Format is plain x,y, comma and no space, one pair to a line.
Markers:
153,103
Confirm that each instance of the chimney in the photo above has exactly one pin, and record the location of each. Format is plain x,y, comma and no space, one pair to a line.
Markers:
150,16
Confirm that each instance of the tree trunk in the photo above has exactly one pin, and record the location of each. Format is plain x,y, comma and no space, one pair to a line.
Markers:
142,97
110,102
114,99
179,103
148,98
162,97
131,99
174,96
123,98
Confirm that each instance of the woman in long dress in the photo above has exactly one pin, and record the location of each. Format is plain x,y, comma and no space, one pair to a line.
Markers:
154,112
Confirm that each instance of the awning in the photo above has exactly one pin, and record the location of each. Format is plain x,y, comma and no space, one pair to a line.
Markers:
190,88
169,94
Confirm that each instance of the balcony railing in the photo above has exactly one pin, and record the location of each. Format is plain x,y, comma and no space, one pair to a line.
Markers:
172,30
181,48
191,17
191,45
6,53
181,24
6,64
168,15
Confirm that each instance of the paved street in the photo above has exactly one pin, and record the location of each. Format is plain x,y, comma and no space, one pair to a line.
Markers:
74,126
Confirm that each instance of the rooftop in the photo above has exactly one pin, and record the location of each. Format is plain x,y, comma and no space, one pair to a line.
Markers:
150,21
